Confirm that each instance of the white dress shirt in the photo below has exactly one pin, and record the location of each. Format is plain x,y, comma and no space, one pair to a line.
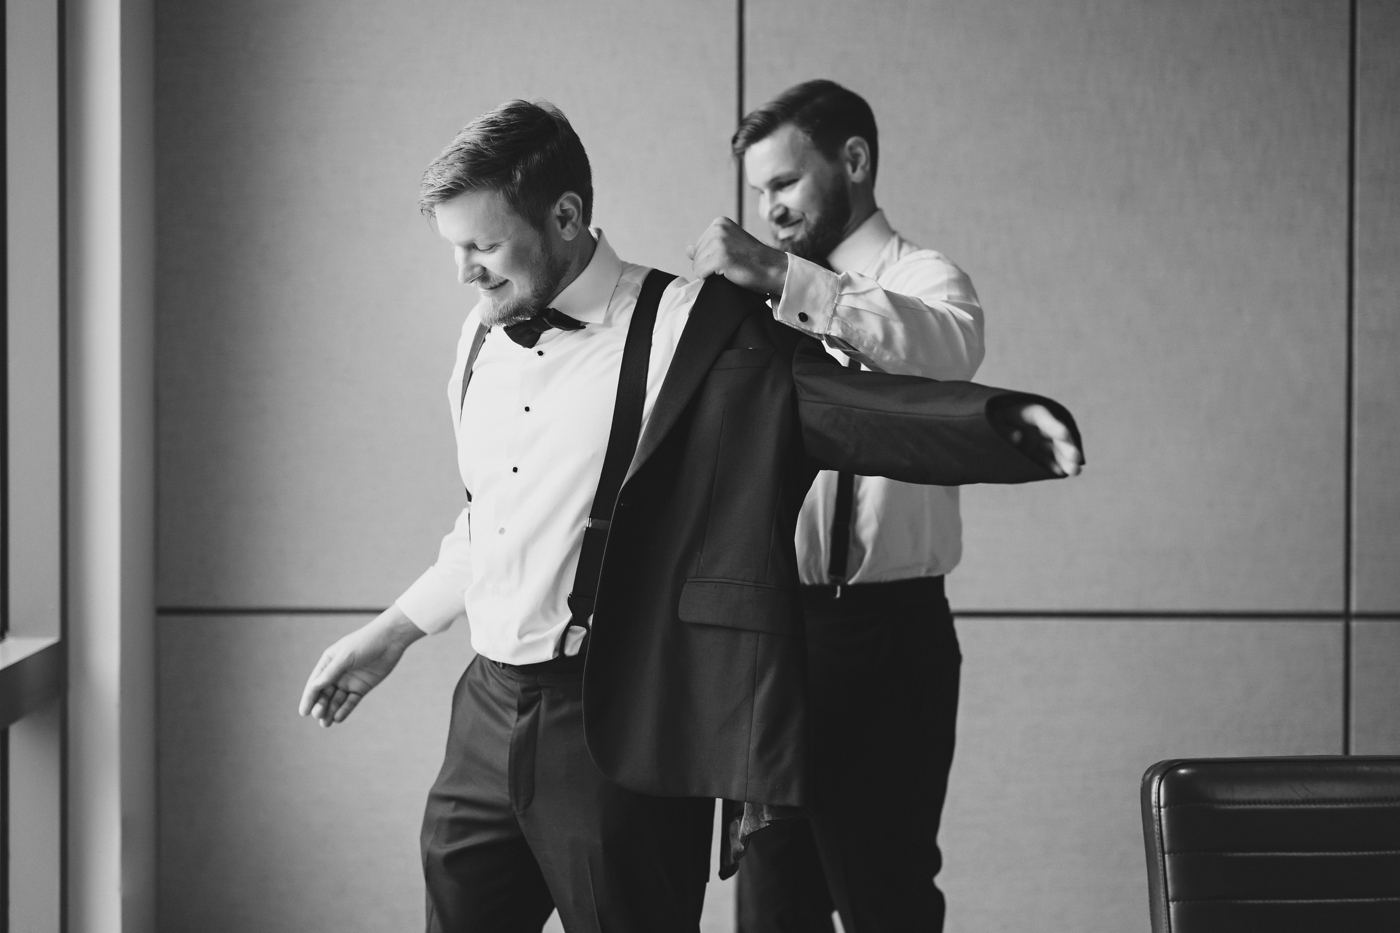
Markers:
530,447
895,308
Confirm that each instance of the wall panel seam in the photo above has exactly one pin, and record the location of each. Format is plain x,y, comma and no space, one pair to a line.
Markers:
1349,451
740,66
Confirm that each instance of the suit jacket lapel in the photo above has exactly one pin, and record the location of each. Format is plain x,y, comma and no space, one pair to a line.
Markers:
714,317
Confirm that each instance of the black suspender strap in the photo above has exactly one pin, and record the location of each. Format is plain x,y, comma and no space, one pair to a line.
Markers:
477,340
836,569
622,446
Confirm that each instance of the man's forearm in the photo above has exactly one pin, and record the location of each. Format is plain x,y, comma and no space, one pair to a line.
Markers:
932,334
395,628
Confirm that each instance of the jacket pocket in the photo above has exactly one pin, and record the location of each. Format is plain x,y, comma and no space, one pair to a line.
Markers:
744,358
754,607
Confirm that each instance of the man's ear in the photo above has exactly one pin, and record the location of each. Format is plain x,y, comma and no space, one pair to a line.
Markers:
567,215
855,158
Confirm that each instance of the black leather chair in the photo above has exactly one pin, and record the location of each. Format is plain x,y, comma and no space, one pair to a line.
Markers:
1275,845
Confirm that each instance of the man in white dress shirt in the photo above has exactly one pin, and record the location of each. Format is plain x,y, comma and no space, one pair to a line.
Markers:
512,195
883,654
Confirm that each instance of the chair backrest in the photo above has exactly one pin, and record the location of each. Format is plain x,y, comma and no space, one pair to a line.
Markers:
1273,844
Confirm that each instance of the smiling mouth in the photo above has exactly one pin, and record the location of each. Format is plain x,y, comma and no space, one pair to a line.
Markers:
491,287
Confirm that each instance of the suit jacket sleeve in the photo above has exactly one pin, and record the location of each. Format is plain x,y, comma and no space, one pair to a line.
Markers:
909,429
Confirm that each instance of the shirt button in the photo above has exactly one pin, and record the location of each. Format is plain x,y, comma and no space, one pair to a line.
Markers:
802,316
515,469
540,352
527,407
500,531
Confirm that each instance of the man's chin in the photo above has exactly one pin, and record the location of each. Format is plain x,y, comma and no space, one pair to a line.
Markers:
504,313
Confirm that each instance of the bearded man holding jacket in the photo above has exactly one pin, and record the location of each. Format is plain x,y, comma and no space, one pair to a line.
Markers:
882,653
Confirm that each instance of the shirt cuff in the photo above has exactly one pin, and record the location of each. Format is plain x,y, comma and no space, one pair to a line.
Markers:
432,603
809,297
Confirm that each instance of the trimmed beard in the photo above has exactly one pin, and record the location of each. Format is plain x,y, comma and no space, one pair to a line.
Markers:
825,230
532,298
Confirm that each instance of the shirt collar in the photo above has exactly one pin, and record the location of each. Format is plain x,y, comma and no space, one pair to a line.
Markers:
586,298
859,250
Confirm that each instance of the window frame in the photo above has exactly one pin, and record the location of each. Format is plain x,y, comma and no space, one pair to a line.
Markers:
32,466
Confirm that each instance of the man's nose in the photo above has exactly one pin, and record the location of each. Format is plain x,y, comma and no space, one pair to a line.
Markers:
467,271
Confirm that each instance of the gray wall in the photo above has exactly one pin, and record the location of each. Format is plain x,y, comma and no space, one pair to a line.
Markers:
1376,502
1153,200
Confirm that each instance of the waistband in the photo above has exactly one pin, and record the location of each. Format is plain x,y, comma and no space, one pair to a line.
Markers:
562,665
913,588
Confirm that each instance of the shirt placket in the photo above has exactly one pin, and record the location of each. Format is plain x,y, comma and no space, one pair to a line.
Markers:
504,566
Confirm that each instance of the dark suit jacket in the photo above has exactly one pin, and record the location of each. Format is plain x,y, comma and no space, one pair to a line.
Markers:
694,682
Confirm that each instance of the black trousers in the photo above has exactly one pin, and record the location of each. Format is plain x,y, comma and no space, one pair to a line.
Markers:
883,664
520,821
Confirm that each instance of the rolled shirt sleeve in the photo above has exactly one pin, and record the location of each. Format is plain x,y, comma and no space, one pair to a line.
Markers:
921,318
437,598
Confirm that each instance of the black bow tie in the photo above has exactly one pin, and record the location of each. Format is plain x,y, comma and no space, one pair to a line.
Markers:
527,332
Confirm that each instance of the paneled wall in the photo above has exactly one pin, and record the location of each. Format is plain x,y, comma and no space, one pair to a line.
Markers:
1151,201
1159,204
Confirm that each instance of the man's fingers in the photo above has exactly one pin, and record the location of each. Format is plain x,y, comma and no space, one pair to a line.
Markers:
1046,423
312,690
1055,442
308,693
348,707
318,709
309,696
327,670
1067,457
703,262
690,251
324,711
334,707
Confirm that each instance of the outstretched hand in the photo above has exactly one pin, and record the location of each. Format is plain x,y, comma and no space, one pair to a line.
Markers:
1042,437
727,249
355,665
